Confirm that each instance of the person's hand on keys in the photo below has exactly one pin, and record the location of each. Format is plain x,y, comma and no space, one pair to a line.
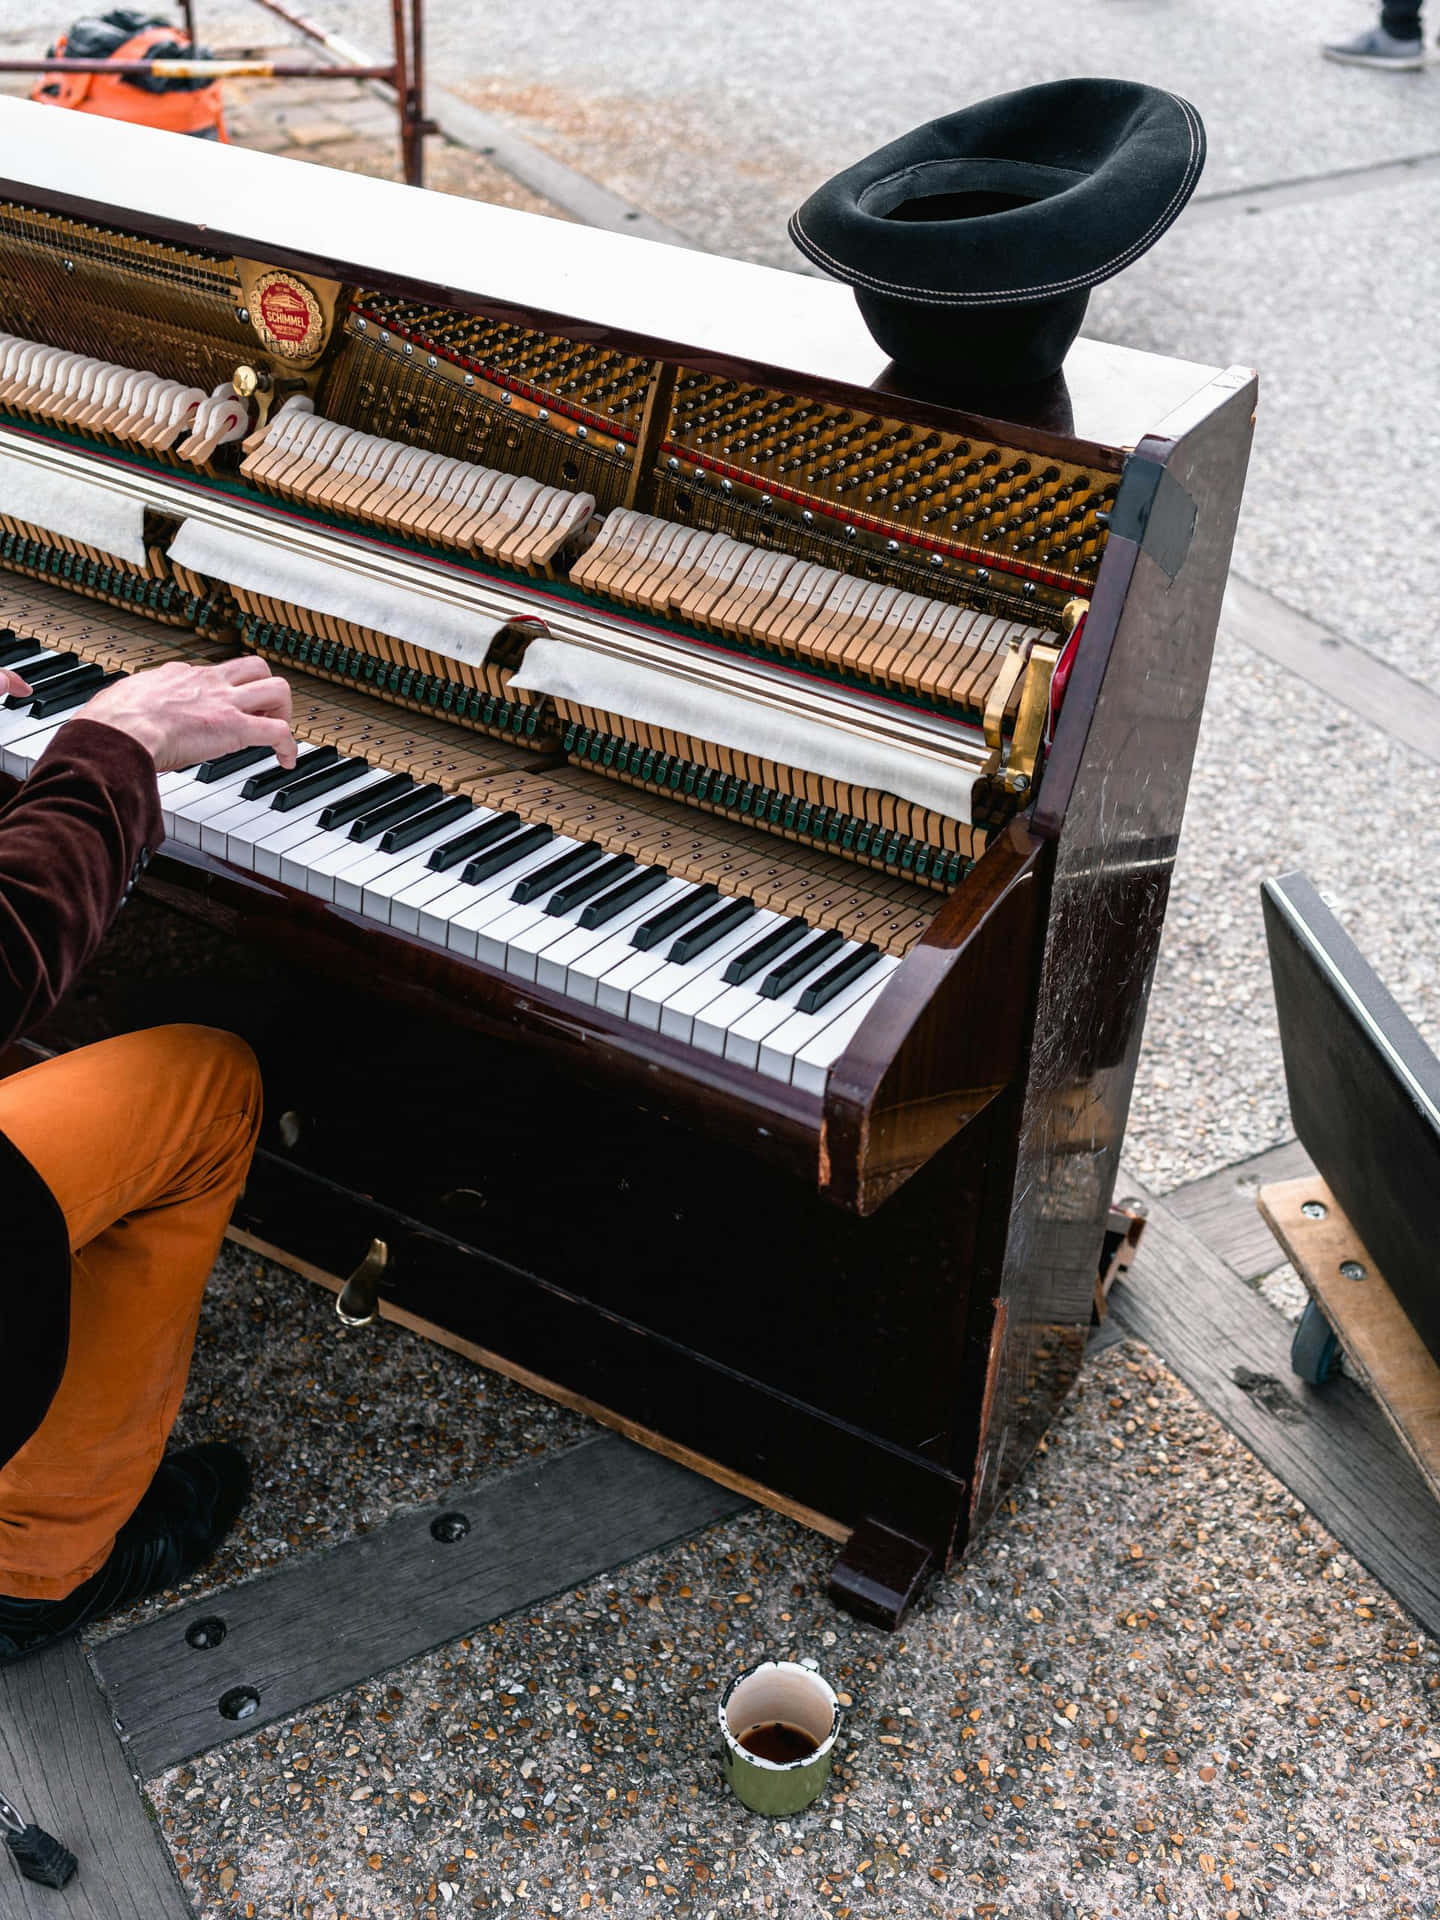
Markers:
182,714
11,682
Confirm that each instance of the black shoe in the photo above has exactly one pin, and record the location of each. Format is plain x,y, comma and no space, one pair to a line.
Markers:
186,1512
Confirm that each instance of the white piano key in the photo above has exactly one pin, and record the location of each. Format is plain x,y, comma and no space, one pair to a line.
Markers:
404,908
253,821
219,796
570,966
520,931
185,787
408,869
659,997
514,939
712,1023
617,965
742,1043
291,830
631,971
341,855
472,910
779,1048
812,1064
607,947
238,819
706,982
20,753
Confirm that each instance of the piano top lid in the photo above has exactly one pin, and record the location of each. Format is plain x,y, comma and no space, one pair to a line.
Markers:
638,295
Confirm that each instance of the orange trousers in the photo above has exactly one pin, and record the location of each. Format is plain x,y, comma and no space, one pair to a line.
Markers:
144,1142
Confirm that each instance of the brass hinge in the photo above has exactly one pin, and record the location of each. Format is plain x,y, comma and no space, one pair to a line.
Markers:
1017,774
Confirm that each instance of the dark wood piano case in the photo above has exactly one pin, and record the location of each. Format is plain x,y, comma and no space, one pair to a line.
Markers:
863,1306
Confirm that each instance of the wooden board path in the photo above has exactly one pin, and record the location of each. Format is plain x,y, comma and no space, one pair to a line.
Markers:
331,1620
1332,1446
62,1765
1222,1210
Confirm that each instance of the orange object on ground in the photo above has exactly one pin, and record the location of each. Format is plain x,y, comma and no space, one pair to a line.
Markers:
177,106
144,1141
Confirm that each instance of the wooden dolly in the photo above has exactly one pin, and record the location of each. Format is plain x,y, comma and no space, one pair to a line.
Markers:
1351,1308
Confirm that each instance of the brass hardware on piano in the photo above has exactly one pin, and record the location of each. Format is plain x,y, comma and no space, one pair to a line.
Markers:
358,1301
771,776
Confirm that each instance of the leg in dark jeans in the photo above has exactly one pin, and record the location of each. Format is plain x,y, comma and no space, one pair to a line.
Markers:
1401,19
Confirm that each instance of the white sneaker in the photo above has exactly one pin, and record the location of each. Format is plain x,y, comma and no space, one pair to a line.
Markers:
1377,48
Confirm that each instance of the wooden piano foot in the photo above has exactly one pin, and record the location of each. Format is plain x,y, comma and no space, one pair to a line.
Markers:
879,1574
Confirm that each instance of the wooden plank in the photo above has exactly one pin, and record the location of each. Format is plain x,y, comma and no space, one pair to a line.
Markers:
62,1765
334,1619
1221,1208
1401,708
1332,1446
1373,1327
551,1390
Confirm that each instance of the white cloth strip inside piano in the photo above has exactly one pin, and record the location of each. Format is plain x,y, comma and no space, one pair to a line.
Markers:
767,730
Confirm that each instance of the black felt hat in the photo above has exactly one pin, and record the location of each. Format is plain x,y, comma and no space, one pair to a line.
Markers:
972,243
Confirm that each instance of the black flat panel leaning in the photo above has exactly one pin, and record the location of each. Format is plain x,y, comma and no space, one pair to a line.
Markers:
1364,1093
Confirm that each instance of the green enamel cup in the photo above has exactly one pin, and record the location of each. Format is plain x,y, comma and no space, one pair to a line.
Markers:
791,1697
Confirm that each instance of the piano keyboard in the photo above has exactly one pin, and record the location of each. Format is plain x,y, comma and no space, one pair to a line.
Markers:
765,956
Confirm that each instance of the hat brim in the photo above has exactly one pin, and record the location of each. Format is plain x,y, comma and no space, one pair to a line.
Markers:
1024,198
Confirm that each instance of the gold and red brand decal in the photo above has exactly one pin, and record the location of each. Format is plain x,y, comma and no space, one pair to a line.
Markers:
287,315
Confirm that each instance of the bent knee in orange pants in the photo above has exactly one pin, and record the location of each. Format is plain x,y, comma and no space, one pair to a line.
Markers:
144,1141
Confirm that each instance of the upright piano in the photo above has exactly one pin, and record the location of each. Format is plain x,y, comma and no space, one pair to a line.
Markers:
700,959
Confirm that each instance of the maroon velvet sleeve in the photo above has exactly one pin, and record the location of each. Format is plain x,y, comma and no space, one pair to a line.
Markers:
73,840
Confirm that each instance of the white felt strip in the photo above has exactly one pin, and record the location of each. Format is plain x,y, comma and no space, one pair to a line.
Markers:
76,509
343,591
659,699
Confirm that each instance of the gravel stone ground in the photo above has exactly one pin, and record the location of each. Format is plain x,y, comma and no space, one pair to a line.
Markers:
1156,1684
1283,778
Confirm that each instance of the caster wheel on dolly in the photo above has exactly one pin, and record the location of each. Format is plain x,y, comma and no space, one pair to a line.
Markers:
1315,1350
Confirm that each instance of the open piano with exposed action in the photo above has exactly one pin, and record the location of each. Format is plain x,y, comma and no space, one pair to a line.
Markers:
699,960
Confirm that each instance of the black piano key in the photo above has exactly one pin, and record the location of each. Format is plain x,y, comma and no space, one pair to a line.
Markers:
209,771
350,808
822,991
66,696
86,675
506,854
46,670
763,952
12,650
380,819
589,883
794,970
474,840
339,774
398,838
651,932
600,912
556,873
274,778
700,939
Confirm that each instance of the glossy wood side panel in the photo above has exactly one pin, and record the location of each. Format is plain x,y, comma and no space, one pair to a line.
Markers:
949,1033
1115,796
